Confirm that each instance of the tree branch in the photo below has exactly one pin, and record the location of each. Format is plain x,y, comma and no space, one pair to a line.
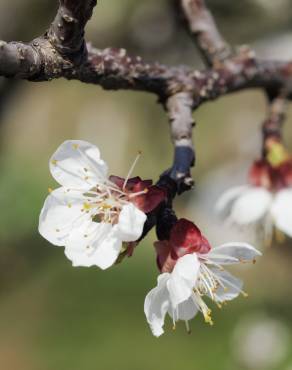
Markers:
18,60
202,27
179,108
272,126
67,30
115,69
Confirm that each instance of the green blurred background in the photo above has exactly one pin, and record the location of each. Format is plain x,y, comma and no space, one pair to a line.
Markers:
53,316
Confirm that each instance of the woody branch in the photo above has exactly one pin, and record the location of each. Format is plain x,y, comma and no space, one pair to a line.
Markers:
202,27
63,53
272,126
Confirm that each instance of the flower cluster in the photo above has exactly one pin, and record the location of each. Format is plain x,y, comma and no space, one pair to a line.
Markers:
191,270
92,215
99,219
267,199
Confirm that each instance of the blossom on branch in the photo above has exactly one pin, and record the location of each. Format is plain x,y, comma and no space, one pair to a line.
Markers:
267,199
92,215
191,269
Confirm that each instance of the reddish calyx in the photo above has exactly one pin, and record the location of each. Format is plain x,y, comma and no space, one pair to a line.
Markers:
185,238
274,170
273,178
142,193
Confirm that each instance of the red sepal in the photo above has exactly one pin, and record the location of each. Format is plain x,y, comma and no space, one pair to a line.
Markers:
150,200
260,174
285,171
272,178
134,184
186,237
164,259
146,202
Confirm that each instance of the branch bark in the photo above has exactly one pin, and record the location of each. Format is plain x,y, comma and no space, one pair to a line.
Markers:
179,108
67,30
201,25
18,60
272,126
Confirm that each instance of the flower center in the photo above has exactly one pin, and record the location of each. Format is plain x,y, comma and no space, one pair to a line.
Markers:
208,284
105,202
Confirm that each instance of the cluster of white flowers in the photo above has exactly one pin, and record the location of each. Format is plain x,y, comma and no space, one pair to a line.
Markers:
97,218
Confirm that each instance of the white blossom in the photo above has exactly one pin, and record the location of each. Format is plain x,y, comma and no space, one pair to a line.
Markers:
89,215
253,205
180,293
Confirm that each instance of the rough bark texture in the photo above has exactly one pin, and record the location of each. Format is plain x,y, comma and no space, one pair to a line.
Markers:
202,27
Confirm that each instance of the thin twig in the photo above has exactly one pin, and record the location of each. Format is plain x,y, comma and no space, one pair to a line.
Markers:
202,27
272,126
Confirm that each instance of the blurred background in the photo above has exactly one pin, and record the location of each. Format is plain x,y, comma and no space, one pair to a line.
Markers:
53,316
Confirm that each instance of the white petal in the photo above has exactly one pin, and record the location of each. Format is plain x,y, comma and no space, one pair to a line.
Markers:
88,236
282,211
156,305
103,256
225,200
187,267
107,252
231,288
251,206
183,278
185,310
131,223
61,214
78,258
232,253
78,164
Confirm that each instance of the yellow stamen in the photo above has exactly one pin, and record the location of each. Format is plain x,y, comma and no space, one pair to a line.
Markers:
86,206
105,206
208,320
54,162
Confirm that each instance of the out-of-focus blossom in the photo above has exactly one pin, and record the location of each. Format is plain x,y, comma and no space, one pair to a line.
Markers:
267,198
91,215
191,269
